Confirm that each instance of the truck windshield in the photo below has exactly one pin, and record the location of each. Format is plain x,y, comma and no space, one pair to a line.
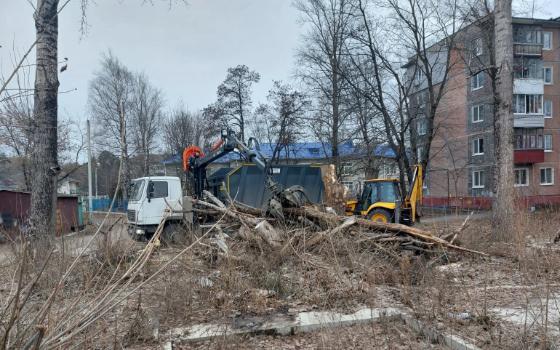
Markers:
136,190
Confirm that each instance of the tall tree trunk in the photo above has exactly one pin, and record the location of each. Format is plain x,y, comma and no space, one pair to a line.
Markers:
44,163
503,122
147,162
125,170
335,122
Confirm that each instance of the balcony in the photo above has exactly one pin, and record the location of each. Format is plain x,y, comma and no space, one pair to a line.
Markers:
528,121
528,156
527,49
528,146
528,86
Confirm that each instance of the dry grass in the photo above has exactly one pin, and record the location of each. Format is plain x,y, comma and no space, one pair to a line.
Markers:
206,284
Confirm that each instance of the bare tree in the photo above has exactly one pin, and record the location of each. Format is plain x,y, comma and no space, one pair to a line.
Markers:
503,214
16,122
321,61
16,128
183,128
427,33
110,102
234,97
283,118
368,132
146,109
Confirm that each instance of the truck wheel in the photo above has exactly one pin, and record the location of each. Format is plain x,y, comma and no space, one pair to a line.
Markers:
380,215
172,234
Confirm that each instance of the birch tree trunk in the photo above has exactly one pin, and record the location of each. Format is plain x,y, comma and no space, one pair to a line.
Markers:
44,162
503,210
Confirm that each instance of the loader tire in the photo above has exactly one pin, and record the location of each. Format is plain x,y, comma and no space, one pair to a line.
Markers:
380,215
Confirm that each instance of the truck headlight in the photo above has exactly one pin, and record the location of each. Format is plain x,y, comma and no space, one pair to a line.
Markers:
140,231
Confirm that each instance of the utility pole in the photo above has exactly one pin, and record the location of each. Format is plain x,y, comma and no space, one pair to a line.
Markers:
96,172
90,201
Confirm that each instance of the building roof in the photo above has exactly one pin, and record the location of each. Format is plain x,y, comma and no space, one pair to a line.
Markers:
304,151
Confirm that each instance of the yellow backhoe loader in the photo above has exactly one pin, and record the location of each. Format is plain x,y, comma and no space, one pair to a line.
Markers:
382,200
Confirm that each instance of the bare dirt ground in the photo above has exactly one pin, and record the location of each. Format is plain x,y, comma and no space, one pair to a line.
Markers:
508,300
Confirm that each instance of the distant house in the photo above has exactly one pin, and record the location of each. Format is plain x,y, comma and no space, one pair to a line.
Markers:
8,184
68,186
353,160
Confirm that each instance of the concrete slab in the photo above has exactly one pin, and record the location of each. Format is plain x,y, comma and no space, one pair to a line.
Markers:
535,315
304,322
282,324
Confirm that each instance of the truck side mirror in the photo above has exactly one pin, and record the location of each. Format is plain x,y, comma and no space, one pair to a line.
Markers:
150,191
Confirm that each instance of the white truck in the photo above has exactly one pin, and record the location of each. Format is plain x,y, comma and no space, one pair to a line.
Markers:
150,200
154,198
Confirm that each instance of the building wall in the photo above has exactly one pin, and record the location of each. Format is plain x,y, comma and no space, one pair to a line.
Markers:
451,154
551,58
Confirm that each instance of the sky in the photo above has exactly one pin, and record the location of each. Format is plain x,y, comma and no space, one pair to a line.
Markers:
185,50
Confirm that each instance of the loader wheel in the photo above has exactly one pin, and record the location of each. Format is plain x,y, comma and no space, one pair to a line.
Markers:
380,215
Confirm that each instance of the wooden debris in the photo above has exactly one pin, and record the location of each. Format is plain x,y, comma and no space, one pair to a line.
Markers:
313,226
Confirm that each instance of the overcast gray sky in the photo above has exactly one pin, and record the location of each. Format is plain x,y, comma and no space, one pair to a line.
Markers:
184,50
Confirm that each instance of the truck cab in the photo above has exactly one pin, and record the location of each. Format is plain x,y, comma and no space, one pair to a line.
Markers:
150,199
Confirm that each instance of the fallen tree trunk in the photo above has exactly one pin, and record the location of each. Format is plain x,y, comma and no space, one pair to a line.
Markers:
335,220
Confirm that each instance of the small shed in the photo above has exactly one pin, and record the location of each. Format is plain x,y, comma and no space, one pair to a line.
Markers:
16,205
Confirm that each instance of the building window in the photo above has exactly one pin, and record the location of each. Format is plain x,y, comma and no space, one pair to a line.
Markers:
477,46
547,176
478,146
528,104
547,108
548,143
419,74
422,126
314,151
476,113
528,138
547,40
420,99
477,81
527,68
346,169
478,179
521,177
547,73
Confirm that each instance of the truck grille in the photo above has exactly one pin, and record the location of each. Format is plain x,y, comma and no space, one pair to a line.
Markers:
131,215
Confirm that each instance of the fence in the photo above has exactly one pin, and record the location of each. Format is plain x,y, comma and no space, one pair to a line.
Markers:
103,204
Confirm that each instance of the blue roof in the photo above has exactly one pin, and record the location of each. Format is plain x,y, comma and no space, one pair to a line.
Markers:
302,150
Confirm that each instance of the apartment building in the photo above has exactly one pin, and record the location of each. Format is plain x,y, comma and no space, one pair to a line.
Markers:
461,158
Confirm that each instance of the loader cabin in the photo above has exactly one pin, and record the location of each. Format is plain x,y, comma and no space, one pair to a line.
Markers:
377,201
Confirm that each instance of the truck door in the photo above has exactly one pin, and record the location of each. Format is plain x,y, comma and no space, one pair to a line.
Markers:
158,192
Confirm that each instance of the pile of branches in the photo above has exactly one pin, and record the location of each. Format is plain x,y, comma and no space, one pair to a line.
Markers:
308,226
